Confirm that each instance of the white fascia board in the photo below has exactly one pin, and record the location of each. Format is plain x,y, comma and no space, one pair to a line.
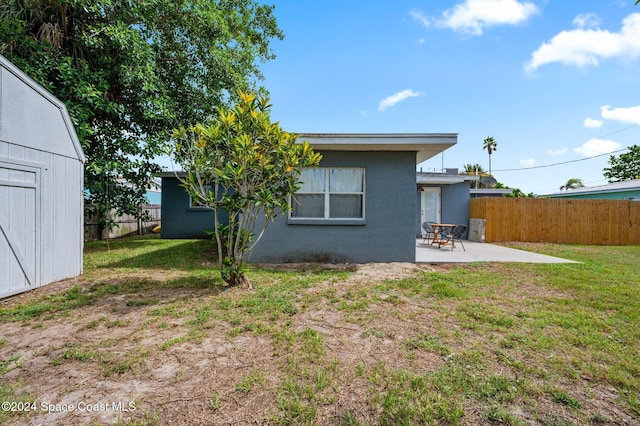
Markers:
426,145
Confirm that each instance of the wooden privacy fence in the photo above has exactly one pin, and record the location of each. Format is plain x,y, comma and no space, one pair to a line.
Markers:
562,221
127,224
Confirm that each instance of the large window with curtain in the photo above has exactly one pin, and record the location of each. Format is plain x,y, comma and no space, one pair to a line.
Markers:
330,193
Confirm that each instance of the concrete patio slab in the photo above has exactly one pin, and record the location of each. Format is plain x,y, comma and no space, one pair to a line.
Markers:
479,252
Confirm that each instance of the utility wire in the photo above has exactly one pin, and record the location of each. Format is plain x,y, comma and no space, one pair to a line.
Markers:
577,160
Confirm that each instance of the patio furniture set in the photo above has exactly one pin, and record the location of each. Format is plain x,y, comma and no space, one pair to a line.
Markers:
442,234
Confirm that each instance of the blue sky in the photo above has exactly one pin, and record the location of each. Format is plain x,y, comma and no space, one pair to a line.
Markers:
553,81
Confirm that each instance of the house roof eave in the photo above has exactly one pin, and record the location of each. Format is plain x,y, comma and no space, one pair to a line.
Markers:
425,145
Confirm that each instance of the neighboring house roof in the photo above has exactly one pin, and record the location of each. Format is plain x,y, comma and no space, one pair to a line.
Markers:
426,145
490,192
625,186
154,185
449,177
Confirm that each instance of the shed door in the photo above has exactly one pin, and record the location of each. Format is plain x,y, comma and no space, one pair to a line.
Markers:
19,213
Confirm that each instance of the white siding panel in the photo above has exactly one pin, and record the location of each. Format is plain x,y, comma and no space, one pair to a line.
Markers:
47,199
30,234
61,220
76,207
33,156
57,216
30,119
17,152
6,257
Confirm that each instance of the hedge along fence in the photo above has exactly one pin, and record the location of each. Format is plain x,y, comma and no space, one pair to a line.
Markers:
562,221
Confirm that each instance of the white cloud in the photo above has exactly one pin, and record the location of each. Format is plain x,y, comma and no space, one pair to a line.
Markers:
594,147
473,16
527,162
560,151
582,47
626,115
398,97
586,20
592,123
418,16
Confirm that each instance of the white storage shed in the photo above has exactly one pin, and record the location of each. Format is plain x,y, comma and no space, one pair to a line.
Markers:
41,186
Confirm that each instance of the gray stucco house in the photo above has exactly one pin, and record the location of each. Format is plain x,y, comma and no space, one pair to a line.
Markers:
41,181
364,203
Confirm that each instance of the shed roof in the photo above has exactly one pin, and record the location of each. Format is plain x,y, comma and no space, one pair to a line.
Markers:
32,117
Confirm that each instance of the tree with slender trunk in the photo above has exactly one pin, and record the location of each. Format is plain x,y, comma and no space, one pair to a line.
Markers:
245,168
491,145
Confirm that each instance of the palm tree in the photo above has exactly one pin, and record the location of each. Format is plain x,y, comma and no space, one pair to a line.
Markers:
491,145
572,183
474,169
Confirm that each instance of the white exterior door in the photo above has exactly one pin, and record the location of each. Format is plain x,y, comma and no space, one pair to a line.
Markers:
430,205
19,212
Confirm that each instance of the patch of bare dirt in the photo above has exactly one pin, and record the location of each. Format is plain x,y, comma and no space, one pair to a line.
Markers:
109,362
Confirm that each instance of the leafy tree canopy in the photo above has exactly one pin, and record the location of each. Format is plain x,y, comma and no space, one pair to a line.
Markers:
244,167
625,166
130,71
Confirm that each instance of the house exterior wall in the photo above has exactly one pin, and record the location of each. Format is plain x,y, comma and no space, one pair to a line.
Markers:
454,205
388,232
41,183
178,219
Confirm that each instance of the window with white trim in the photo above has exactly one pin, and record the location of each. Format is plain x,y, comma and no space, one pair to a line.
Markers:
193,204
330,193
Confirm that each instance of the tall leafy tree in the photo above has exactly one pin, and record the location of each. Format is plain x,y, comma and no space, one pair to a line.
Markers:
244,167
130,71
626,166
490,145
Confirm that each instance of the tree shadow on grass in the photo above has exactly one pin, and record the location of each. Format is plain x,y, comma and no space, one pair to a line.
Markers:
121,295
183,255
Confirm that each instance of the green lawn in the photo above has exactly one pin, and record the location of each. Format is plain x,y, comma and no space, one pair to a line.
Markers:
476,344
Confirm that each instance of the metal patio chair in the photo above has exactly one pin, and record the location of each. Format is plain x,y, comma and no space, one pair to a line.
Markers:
427,231
457,233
